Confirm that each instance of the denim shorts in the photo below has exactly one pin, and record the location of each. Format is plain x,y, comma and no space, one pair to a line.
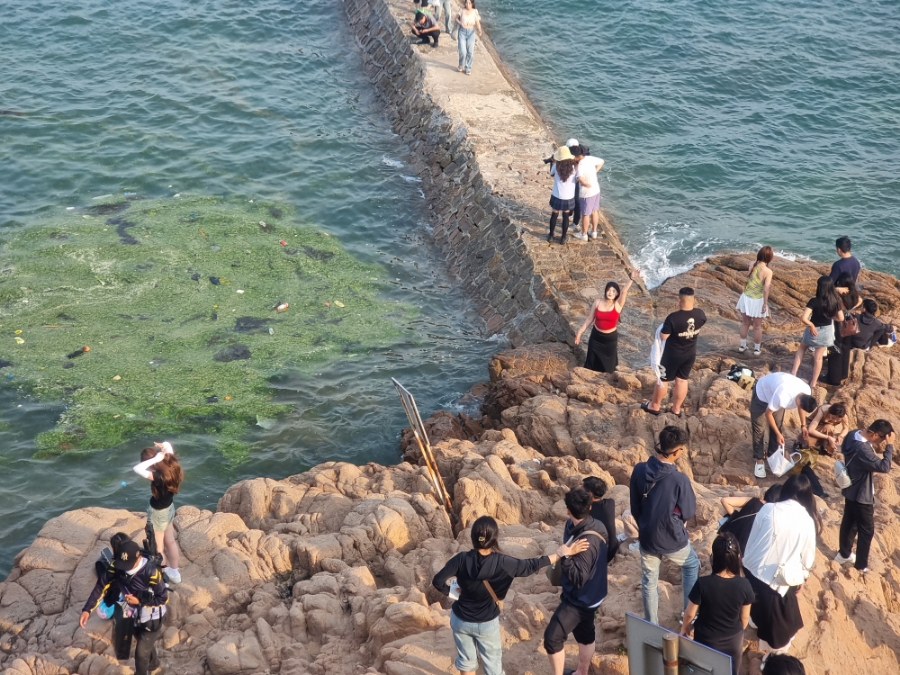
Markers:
160,519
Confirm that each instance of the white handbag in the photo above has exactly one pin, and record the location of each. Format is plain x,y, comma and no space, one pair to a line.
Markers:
781,462
841,477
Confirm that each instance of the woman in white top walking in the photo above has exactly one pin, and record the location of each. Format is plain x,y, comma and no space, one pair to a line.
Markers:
468,21
562,168
780,553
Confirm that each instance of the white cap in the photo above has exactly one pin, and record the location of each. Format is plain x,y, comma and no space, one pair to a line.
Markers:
571,142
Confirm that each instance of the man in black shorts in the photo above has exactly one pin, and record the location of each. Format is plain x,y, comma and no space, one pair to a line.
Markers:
679,335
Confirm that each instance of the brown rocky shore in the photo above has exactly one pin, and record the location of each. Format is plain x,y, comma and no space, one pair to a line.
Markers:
330,571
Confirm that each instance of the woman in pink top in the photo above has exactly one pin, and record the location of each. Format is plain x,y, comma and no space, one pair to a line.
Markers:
603,355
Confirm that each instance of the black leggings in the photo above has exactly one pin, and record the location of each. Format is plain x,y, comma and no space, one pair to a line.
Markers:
565,224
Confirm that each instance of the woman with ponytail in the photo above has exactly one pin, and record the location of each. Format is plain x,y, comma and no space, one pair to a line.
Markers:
721,602
160,466
483,576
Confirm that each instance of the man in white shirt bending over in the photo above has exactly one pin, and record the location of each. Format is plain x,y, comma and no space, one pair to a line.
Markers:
589,193
772,395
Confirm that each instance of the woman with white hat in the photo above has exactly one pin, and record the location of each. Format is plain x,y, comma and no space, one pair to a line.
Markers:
562,168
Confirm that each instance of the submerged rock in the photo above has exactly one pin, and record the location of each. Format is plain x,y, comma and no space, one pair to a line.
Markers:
237,352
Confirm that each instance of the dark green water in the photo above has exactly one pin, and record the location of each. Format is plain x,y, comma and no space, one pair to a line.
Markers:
263,100
724,125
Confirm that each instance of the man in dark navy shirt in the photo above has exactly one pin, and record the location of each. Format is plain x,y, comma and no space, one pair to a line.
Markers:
846,261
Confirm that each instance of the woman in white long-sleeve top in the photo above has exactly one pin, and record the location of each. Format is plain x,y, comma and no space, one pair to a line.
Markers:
160,466
780,552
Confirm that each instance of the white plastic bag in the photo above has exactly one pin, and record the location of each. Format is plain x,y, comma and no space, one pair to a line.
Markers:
781,462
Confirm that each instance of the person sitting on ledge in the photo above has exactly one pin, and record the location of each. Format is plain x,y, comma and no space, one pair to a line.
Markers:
872,332
425,27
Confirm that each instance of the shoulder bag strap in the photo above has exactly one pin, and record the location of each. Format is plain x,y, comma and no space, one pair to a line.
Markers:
487,585
594,532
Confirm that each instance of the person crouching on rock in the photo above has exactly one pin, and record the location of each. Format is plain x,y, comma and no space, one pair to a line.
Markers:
662,500
603,346
425,27
484,576
144,591
160,466
583,586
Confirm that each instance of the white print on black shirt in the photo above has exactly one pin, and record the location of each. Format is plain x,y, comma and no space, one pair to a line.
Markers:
691,332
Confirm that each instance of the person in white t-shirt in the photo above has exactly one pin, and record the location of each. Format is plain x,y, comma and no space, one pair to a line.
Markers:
589,197
562,168
772,395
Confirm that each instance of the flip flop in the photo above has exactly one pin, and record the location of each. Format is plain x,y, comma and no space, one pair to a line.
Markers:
568,671
679,415
645,406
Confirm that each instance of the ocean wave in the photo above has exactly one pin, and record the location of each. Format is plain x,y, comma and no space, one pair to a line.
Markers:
391,162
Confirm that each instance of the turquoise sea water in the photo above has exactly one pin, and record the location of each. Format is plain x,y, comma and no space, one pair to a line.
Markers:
264,100
724,125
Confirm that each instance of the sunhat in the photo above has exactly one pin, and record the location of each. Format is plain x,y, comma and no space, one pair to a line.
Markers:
562,154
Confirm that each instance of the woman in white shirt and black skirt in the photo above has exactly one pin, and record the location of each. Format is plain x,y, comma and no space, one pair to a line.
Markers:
780,552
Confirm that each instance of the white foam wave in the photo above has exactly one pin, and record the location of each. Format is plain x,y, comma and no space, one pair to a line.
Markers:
411,179
671,249
391,162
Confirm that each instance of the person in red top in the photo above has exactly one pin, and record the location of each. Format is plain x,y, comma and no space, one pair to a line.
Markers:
603,355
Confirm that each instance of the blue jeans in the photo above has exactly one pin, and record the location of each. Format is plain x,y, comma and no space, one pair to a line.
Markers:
449,23
686,559
474,639
466,42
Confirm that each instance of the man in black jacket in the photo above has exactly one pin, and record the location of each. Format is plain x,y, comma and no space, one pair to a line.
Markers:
144,590
662,499
872,333
603,510
859,499
583,587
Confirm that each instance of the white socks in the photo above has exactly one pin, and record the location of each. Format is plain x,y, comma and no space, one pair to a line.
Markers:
744,343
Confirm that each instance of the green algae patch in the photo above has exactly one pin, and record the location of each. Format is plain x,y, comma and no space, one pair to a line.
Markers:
188,307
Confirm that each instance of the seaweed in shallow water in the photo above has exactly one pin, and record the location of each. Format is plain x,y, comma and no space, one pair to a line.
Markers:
156,329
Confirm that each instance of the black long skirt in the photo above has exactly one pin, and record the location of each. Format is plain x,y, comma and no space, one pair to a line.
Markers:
777,618
603,351
733,646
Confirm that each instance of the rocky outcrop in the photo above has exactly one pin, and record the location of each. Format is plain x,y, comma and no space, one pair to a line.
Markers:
329,571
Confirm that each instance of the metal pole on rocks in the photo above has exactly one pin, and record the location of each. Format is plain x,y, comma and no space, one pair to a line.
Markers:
418,429
670,654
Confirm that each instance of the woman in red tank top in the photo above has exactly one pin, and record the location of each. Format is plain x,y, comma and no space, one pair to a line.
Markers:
603,355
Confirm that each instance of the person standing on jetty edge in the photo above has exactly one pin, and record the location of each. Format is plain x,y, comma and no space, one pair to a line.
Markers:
679,335
583,587
484,577
846,261
562,198
662,500
425,27
754,301
861,462
603,356
588,166
467,22
772,395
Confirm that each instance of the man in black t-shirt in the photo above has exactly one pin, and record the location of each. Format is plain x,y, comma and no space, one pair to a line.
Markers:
679,335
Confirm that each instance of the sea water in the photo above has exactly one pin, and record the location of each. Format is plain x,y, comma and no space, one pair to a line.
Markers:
263,100
724,125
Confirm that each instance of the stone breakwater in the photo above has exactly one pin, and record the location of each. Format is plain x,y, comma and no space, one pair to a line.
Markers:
477,144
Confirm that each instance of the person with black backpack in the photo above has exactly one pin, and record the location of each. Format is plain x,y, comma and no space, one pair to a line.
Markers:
662,500
483,577
143,590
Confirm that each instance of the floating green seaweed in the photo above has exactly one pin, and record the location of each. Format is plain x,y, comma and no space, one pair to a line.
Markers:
165,293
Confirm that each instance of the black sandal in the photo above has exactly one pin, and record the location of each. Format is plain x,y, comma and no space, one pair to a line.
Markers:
645,406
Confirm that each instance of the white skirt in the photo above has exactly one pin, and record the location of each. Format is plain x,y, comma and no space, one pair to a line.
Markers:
751,307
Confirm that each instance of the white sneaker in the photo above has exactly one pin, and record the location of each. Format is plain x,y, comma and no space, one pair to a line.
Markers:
580,236
840,560
174,575
759,470
592,234
757,351
742,349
